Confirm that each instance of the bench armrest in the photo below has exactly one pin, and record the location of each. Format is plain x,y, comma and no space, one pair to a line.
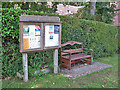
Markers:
88,49
66,52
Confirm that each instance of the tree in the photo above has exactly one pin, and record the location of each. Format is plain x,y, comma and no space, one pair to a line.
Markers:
104,12
92,7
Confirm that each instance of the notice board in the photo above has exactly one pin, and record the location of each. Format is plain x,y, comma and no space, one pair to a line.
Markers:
39,33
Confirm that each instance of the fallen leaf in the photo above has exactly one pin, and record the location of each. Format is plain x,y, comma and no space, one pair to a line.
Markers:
103,86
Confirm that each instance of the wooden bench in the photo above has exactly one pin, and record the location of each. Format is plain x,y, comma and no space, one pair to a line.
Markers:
71,56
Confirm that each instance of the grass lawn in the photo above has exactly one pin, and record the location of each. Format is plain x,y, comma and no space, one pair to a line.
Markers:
107,78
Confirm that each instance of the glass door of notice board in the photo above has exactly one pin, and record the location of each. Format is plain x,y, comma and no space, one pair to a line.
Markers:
52,35
31,37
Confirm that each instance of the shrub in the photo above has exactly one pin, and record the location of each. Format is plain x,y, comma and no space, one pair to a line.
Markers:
95,35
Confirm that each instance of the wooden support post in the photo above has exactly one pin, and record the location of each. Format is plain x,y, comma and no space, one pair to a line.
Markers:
25,67
56,61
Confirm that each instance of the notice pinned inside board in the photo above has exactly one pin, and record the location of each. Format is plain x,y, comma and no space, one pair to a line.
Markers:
52,35
56,29
25,43
31,36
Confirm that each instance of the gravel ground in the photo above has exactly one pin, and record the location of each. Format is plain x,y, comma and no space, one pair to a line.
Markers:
81,69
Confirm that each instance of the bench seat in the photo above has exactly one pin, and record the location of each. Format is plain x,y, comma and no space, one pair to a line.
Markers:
77,56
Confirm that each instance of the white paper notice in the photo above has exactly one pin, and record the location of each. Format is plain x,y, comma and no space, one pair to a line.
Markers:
51,39
34,40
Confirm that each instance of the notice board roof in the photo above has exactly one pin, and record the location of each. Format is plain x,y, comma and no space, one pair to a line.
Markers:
37,18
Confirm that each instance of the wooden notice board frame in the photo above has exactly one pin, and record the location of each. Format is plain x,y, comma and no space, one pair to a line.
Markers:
39,20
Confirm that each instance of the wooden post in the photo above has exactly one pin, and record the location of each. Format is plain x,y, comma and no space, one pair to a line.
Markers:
56,61
25,67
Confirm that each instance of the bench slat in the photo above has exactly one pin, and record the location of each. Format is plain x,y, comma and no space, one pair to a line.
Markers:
72,51
71,43
77,56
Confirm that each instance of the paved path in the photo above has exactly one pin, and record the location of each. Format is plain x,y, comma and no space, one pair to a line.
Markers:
81,69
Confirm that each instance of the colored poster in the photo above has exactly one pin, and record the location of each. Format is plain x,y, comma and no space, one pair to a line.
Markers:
51,31
51,38
51,28
25,43
56,29
37,30
25,31
32,34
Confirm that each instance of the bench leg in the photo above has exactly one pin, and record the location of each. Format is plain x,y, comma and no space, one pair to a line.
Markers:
69,65
60,62
88,61
91,61
66,64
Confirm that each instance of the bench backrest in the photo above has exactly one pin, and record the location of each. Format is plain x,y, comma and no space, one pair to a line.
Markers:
72,43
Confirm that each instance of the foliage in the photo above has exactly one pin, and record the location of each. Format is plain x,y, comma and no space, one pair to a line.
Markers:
12,59
29,6
95,35
8,4
98,36
104,12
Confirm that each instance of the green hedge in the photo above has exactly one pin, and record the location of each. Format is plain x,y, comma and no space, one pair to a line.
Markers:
95,35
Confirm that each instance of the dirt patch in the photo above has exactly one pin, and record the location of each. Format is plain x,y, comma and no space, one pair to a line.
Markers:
79,69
